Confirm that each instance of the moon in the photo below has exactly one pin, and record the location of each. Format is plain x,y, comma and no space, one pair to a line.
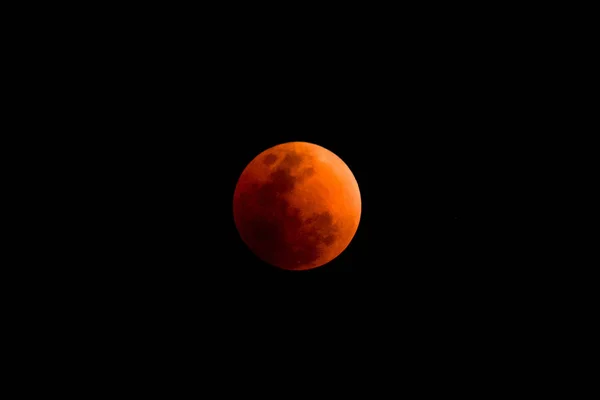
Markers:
297,206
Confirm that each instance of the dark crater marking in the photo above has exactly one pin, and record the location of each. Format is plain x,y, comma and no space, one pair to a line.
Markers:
270,159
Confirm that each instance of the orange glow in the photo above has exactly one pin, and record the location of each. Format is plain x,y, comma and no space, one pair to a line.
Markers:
297,206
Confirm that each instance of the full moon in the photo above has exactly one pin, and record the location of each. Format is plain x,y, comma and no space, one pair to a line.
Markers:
297,206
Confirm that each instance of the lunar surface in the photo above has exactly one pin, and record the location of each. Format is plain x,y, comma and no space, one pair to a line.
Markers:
297,206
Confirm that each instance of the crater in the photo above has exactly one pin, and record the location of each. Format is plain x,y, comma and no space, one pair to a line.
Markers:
292,160
307,173
270,159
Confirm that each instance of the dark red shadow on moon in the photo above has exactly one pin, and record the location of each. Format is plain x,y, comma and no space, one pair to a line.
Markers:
265,219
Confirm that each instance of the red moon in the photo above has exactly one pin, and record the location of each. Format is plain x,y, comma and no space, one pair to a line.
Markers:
297,206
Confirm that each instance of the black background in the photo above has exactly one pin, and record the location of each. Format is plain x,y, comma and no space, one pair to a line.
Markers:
136,122
426,110
420,123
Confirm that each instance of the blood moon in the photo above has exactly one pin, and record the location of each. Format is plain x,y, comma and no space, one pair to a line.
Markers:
297,206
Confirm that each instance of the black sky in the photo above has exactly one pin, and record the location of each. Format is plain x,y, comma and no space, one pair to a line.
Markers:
422,113
419,143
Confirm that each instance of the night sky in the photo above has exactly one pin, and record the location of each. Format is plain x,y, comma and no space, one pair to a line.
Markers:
422,118
420,239
421,141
